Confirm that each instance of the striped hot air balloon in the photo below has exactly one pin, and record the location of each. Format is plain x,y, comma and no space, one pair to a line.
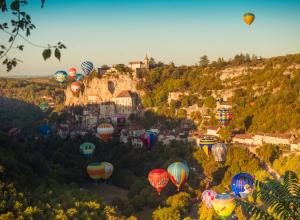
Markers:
95,170
248,18
158,178
105,131
224,116
219,151
87,149
72,73
206,144
224,205
108,169
207,197
178,173
242,184
87,67
76,88
60,76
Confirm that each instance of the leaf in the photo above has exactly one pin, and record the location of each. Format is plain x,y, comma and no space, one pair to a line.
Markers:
15,5
2,46
21,47
57,53
46,54
11,39
27,32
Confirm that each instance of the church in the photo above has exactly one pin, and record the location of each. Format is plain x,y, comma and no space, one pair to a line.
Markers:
139,65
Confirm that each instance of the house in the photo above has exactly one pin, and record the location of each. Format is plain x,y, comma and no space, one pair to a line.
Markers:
139,65
125,102
269,138
107,108
211,130
243,139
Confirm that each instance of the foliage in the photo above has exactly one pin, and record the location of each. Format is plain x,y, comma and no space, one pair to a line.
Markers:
268,153
292,163
166,213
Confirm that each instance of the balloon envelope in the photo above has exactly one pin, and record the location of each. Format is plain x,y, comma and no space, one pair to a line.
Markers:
242,183
60,76
72,72
219,151
87,149
44,130
13,132
206,144
178,173
44,106
87,67
248,18
149,139
76,88
78,76
158,178
207,197
224,205
95,170
108,170
105,131
224,116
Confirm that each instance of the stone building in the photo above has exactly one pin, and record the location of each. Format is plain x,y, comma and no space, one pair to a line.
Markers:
125,102
139,65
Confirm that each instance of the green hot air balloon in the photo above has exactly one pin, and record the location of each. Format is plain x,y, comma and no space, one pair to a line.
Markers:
87,149
44,106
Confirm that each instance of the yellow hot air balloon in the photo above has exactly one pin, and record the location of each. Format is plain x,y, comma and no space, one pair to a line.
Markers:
248,18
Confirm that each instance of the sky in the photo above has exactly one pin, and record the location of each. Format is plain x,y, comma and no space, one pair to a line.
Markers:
119,31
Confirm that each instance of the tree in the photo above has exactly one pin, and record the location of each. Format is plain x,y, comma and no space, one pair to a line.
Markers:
204,61
279,199
268,153
166,213
20,27
210,102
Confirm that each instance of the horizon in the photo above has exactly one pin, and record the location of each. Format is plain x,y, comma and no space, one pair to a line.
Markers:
112,32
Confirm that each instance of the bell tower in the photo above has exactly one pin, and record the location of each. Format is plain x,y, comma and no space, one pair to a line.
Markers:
146,62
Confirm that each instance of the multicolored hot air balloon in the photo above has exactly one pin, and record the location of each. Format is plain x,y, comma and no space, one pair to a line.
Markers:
60,76
248,18
87,67
178,173
158,178
224,205
242,183
14,132
87,149
149,139
219,151
44,106
206,144
78,76
224,116
105,131
95,170
108,170
44,130
207,197
76,88
72,73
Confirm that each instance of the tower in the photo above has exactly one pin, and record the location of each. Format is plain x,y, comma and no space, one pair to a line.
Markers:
146,62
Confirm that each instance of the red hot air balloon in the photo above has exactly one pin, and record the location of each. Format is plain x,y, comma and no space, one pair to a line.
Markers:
158,178
72,73
75,88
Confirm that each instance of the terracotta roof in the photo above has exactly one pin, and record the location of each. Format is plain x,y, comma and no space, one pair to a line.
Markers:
136,62
124,93
243,136
297,141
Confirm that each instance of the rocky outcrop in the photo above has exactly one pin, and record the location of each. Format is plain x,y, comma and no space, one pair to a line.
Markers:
97,90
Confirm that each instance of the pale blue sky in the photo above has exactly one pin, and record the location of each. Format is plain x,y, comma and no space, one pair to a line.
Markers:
117,31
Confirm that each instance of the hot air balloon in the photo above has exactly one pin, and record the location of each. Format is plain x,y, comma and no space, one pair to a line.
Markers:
206,144
207,197
72,73
158,178
87,149
95,170
14,132
242,183
108,170
75,88
224,205
105,131
60,76
78,76
44,106
219,151
149,139
87,67
223,115
44,130
248,18
178,173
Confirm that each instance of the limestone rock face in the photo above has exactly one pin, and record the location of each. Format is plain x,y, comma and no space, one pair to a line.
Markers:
104,89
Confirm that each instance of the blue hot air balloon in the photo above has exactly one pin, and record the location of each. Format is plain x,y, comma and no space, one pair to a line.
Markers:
87,67
178,173
60,76
242,183
44,130
78,76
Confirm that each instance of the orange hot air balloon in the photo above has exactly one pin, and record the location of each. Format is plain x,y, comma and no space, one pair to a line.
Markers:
248,18
95,170
158,178
72,73
105,131
75,88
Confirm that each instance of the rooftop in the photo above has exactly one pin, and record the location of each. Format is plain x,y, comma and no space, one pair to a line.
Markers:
243,136
123,94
